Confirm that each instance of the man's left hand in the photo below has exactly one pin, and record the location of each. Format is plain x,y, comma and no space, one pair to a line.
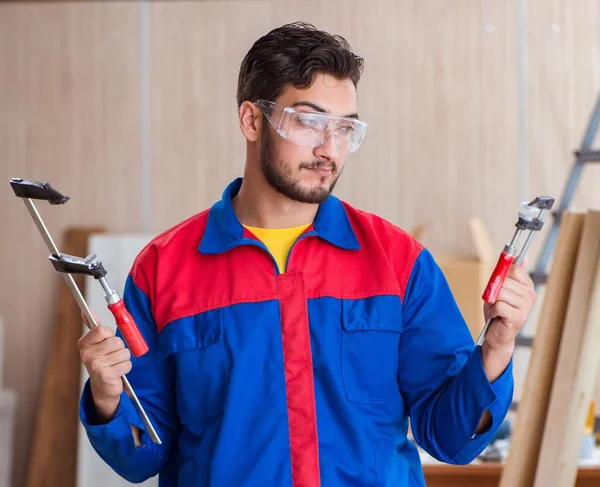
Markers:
510,311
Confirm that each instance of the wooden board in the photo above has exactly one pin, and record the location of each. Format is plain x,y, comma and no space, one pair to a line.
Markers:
529,426
53,458
576,369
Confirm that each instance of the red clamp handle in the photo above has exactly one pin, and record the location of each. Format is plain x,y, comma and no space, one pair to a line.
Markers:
498,276
125,322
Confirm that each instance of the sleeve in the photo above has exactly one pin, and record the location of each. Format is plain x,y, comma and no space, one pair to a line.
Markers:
150,379
440,372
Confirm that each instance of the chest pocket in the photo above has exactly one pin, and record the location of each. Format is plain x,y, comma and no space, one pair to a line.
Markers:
196,346
371,330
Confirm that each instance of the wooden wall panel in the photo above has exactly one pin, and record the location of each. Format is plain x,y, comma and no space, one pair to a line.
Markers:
563,83
69,114
439,93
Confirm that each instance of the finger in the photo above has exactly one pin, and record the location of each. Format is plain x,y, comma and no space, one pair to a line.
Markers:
108,346
512,298
525,290
99,355
110,375
95,335
113,358
518,273
517,287
507,313
122,368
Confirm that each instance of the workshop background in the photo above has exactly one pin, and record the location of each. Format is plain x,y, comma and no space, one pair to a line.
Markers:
129,108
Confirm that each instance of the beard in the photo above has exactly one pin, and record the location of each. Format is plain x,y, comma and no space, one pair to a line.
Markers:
280,178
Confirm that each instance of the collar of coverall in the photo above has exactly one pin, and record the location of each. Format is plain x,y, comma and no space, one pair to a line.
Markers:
224,231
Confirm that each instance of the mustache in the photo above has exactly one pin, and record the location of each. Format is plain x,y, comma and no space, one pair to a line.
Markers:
320,165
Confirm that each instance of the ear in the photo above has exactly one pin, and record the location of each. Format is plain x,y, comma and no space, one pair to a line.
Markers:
250,121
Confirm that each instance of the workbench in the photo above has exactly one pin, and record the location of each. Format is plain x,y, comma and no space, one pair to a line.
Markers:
488,475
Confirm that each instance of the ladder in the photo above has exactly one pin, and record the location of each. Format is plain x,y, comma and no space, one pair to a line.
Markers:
585,155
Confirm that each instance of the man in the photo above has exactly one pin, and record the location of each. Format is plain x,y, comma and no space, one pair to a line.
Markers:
291,335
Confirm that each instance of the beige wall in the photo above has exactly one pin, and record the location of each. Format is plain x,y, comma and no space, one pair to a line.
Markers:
441,117
81,108
70,115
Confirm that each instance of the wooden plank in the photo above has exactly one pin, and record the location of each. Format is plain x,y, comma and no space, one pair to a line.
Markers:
529,426
578,360
54,452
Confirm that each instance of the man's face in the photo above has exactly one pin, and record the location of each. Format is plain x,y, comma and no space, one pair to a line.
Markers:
306,174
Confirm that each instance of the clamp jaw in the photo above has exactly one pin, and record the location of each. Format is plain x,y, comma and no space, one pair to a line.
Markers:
534,223
70,264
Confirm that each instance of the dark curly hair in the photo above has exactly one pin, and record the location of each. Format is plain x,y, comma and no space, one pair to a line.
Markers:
292,55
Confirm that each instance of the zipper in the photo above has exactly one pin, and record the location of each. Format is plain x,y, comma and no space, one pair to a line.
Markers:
301,237
258,243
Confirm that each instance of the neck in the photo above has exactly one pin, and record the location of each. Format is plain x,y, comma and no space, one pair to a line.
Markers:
258,205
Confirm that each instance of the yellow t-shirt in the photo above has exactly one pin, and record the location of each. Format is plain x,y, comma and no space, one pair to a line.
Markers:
278,241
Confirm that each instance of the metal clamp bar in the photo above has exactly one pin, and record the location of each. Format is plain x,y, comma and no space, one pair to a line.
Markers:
88,314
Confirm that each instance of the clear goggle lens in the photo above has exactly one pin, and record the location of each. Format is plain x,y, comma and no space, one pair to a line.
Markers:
312,129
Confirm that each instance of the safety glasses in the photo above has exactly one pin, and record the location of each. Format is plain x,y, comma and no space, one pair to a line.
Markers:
312,129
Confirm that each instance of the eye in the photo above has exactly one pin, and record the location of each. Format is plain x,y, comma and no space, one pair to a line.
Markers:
310,121
346,129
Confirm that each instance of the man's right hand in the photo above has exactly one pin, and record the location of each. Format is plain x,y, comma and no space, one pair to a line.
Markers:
106,360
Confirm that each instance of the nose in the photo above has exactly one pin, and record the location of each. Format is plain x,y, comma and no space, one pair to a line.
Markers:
328,150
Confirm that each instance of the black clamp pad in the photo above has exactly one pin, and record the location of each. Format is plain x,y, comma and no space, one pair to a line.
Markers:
28,188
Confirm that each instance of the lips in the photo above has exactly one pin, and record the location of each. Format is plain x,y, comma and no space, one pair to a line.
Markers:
321,170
